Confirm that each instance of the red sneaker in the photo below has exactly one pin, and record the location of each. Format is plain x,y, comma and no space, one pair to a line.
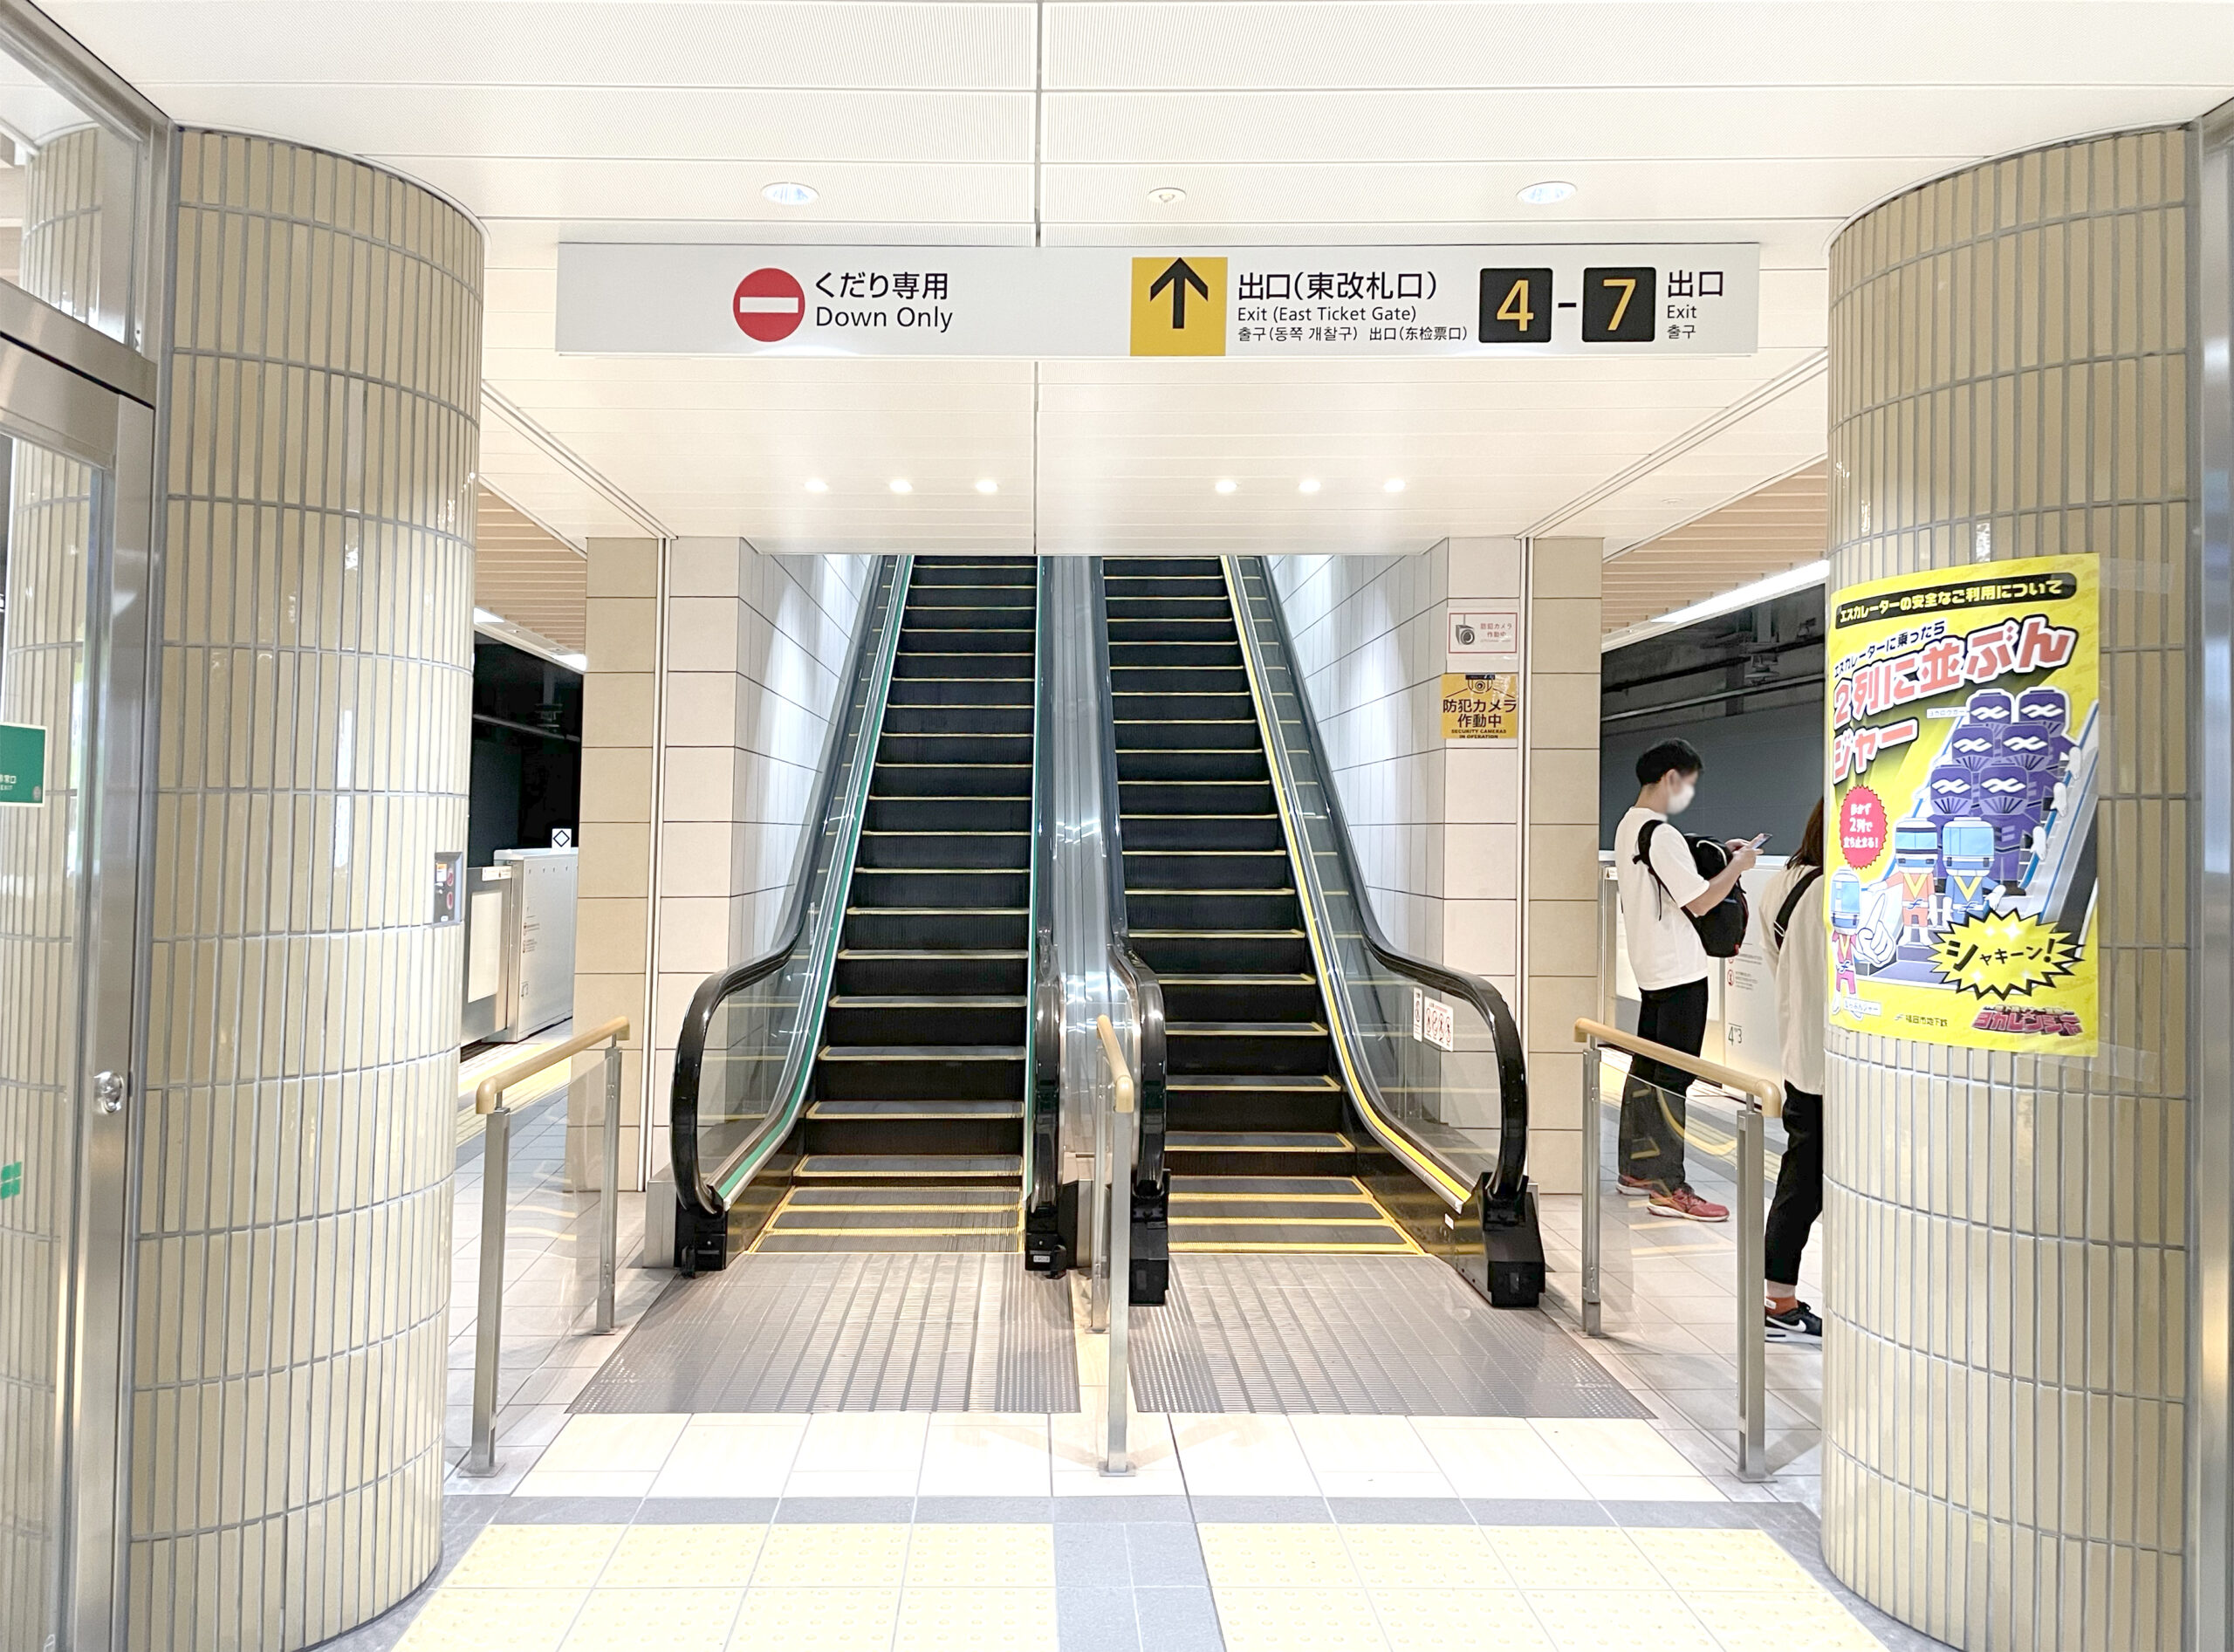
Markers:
1685,1205
1637,1186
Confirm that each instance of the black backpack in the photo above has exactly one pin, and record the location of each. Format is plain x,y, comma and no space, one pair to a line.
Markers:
1721,927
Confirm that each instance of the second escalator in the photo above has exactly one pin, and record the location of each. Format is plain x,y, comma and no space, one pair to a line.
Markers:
1257,1144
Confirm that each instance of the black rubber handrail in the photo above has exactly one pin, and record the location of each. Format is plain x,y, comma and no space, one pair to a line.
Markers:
1046,1077
1511,1177
1128,966
879,613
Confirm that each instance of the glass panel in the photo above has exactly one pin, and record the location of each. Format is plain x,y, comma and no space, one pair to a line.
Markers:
1431,1056
70,204
756,1057
45,564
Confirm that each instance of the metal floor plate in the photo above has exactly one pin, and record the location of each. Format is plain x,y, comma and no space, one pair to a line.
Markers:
1365,1336
858,1332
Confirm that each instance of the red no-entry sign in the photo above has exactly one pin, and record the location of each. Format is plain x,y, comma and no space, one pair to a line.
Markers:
769,305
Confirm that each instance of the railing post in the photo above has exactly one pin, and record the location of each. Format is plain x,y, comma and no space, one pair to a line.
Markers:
1753,1355
1118,1247
488,1310
1594,1241
608,1234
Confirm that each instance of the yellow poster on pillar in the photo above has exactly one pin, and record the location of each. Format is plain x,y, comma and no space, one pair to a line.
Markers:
1964,738
1481,705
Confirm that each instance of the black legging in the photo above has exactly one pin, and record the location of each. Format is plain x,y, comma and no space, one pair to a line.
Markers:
1652,1101
1799,1191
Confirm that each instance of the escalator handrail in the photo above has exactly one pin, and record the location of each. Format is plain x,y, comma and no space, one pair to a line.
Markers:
1126,965
872,650
1512,1068
1042,1139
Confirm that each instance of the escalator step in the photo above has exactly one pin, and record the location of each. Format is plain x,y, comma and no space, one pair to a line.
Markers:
983,1170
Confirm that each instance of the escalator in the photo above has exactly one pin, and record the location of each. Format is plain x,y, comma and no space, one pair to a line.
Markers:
862,1086
1324,1092
1257,1141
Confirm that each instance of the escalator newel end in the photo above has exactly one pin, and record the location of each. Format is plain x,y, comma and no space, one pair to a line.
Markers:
1513,1247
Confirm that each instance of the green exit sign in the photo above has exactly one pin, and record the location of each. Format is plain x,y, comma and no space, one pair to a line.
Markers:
22,764
11,1179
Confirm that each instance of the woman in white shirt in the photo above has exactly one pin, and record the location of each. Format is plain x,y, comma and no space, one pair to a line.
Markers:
1792,917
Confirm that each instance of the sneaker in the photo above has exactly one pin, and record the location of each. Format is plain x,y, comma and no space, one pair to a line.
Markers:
1635,1187
1687,1206
1801,1321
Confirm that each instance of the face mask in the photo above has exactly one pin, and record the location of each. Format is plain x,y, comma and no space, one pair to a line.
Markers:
1680,799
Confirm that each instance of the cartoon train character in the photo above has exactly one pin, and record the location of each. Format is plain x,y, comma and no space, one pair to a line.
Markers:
1915,875
1845,927
1990,706
1974,745
1966,853
2051,708
2005,794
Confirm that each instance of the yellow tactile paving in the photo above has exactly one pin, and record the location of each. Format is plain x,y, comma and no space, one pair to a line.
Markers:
685,1557
1425,1557
816,1621
1788,1620
860,1556
1618,1620
982,1556
1275,1620
655,1621
943,1620
1291,1556
1743,1560
1572,1557
1444,1620
493,1620
535,1556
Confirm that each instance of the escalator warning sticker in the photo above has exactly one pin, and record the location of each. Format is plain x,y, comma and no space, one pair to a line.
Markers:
1481,705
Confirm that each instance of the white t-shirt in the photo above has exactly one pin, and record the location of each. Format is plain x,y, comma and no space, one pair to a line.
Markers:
1664,948
1799,963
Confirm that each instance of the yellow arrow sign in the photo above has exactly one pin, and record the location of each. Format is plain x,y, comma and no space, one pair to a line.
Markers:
1179,306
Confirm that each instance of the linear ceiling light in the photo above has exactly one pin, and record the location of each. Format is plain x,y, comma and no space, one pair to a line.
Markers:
1745,596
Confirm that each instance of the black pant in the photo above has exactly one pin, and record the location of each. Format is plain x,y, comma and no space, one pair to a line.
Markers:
1799,1190
1652,1100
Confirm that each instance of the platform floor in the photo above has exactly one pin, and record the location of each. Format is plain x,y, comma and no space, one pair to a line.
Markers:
738,1531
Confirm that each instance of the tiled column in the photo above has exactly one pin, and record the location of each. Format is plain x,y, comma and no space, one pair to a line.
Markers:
1558,873
2006,1369
298,1121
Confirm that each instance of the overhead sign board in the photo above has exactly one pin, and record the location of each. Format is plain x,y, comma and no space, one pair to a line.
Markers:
1291,303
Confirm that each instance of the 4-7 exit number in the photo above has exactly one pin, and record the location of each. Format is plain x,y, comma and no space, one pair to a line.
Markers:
1619,305
1516,307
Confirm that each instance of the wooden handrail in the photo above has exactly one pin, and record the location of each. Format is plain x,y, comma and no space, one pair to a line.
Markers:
1767,1091
485,1092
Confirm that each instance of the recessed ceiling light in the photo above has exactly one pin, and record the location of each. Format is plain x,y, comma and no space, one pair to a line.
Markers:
1395,484
901,485
1550,192
1309,484
986,484
481,616
1167,196
790,194
816,484
1226,484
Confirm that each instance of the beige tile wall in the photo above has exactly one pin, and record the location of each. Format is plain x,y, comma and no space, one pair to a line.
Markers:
293,1259
2005,1371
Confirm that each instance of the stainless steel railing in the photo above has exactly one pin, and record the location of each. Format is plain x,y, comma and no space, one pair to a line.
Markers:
1122,1124
489,1312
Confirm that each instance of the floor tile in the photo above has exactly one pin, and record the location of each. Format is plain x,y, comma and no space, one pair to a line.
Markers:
1283,1556
1790,1620
1611,1446
1075,1453
1442,1619
1165,1555
541,1482
861,1557
1275,1620
1653,1488
655,1621
1455,1558
685,1557
1573,1558
1743,1560
984,1557
947,1620
826,1620
731,1457
613,1443
1096,1557
989,1456
1177,1620
863,1442
1097,1618
1612,1619
493,1620
1368,1456
1496,1458
1242,1454
535,1556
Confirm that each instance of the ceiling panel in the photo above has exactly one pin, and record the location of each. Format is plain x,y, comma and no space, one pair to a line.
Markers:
524,575
1769,529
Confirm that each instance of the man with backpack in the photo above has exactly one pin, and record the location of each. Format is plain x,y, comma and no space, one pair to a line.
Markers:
1673,888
